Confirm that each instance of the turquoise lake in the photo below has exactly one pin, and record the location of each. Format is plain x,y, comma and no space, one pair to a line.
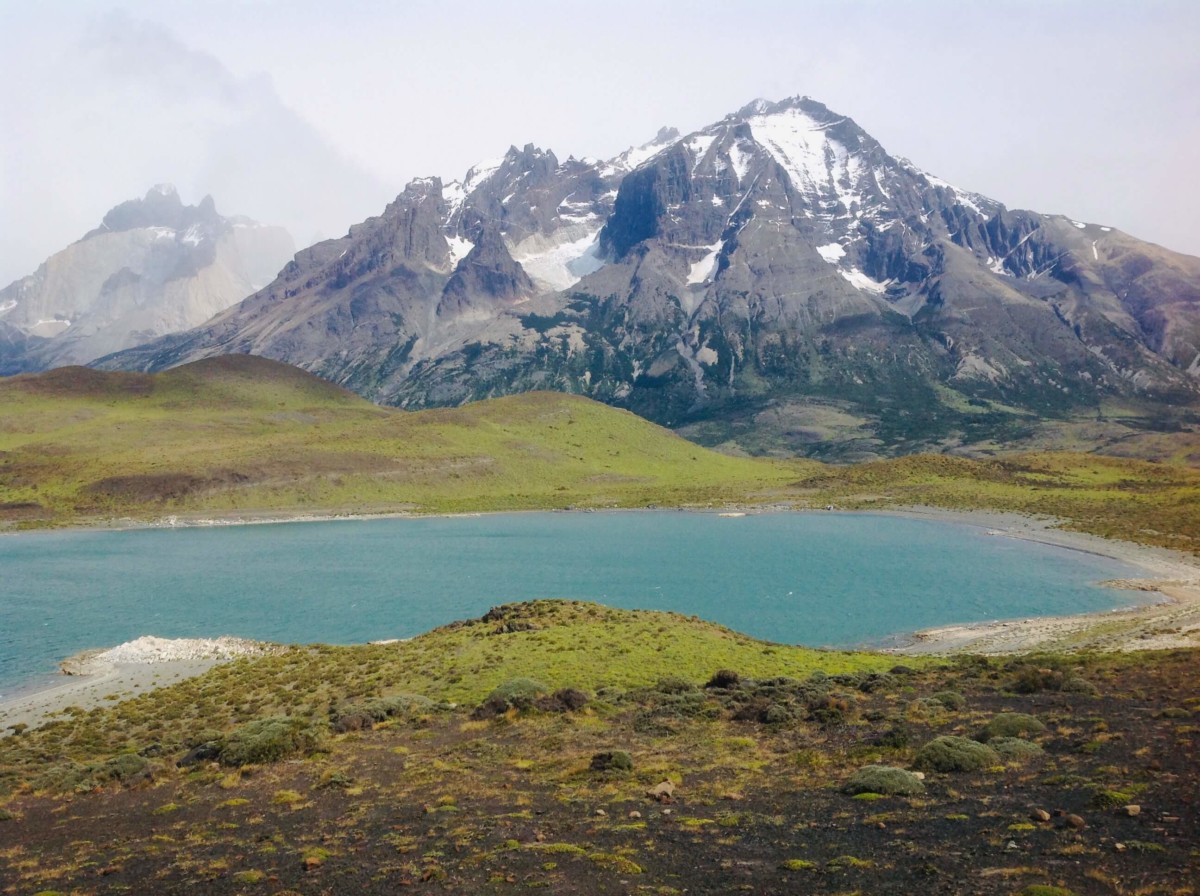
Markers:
819,579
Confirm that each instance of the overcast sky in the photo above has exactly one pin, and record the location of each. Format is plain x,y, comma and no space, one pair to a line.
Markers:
315,114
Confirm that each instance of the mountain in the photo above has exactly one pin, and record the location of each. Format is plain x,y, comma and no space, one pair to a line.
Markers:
153,266
775,281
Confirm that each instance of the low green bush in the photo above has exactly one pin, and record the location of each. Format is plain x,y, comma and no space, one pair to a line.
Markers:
955,754
267,740
952,700
1014,748
884,779
1011,724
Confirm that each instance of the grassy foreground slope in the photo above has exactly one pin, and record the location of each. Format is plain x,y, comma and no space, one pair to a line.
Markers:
658,754
243,435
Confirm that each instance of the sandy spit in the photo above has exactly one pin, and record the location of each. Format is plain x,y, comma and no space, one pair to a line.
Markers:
104,677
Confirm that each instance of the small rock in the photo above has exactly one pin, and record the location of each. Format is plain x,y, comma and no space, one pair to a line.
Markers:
920,776
662,792
600,812
1039,815
1012,844
635,814
733,795
1131,810
1169,819
1119,847
666,811
1076,822
539,837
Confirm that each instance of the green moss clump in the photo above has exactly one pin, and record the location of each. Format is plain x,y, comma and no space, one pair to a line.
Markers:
1110,799
797,865
883,779
1011,724
955,754
1045,890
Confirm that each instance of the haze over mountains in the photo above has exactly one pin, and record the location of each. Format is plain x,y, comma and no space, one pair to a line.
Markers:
775,280
153,266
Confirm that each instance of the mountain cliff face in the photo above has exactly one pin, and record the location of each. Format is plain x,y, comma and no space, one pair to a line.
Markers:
154,266
774,280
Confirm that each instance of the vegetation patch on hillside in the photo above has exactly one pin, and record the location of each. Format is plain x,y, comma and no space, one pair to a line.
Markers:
632,750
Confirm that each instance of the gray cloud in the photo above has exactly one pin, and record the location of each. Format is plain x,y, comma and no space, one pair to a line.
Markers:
129,105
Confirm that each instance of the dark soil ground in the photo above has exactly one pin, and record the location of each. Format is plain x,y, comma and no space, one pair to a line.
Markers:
443,802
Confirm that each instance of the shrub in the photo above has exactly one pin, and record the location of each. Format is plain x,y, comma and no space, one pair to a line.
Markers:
777,714
1077,685
895,738
361,716
952,700
883,779
955,754
673,684
876,681
1014,748
563,700
267,740
1011,724
520,692
612,761
724,678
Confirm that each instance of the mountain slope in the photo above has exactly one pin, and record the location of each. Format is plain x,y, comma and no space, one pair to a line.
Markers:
153,266
749,283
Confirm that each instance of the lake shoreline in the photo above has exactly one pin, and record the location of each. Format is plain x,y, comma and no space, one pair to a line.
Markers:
1170,619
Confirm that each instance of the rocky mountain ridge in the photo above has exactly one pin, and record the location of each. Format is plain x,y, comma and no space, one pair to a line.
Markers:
153,266
775,281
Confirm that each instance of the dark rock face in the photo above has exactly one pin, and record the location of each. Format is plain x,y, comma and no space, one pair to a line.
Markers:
487,272
776,271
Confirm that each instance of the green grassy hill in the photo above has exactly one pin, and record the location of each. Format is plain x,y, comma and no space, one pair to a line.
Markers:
249,437
246,435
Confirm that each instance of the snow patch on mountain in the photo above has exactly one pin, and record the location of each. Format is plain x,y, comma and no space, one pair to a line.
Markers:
639,155
859,280
698,145
831,252
974,201
703,270
740,160
459,248
817,165
560,260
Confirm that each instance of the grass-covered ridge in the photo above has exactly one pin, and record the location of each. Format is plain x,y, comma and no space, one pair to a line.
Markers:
245,435
562,644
